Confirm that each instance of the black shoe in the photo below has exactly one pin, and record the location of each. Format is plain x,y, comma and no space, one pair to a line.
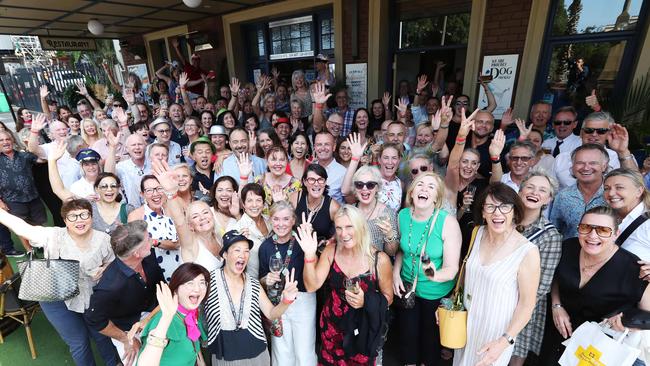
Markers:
14,253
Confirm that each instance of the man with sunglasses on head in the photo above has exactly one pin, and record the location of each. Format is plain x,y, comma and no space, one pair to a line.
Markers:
565,140
598,128
419,163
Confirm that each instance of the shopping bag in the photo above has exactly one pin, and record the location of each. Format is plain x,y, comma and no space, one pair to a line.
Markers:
589,345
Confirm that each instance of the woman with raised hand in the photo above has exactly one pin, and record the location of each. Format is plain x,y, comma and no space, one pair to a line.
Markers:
358,281
313,203
76,241
425,267
537,192
503,262
235,306
194,222
173,335
279,255
277,183
362,186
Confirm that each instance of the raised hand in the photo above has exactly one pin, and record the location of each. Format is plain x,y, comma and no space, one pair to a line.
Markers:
466,123
234,205
356,147
446,112
167,178
440,65
38,122
275,73
618,139
129,97
277,193
120,116
497,144
252,142
175,42
506,119
319,95
59,150
306,237
290,291
245,165
234,86
385,100
82,88
168,302
592,101
523,130
422,83
44,91
113,139
436,120
183,79
402,105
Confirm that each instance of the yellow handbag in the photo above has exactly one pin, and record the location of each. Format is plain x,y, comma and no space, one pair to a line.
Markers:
452,322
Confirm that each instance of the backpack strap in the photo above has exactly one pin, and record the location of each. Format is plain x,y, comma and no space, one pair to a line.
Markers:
630,229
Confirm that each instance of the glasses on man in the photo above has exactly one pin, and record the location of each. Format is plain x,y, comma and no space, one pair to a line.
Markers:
117,105
504,208
523,159
600,131
73,217
601,231
368,185
164,132
312,180
422,168
150,191
562,122
105,187
334,124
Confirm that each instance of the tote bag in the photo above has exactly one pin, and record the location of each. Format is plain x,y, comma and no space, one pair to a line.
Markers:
589,345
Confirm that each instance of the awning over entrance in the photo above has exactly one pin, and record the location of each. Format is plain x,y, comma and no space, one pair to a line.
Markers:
120,18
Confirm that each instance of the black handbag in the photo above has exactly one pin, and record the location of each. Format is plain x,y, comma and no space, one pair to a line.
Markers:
48,279
636,318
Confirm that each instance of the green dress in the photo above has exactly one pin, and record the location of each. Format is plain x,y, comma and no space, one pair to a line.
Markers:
180,350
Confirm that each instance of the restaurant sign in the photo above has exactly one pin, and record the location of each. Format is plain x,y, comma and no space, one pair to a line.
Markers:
68,44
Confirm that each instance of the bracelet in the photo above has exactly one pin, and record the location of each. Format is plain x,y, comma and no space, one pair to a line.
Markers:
157,341
460,142
171,196
354,158
319,105
155,243
243,177
312,260
444,126
495,158
498,161
34,132
556,306
626,157
287,301
461,139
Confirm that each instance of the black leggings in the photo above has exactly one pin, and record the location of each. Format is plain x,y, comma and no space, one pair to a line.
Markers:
419,335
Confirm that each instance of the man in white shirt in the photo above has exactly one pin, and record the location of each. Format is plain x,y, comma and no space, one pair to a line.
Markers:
69,168
598,128
520,159
162,129
131,171
324,145
565,140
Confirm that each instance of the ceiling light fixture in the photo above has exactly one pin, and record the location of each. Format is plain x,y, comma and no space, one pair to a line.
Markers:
192,3
95,27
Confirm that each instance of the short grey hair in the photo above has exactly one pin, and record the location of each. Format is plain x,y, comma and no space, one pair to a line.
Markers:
75,143
590,146
125,238
599,116
539,172
523,144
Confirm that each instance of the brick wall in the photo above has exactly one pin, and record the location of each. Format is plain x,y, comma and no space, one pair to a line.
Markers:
362,31
505,26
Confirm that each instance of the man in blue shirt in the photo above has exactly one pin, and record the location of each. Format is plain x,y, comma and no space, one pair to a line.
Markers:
239,145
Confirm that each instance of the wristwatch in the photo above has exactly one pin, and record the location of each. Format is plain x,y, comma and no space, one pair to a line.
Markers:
157,341
508,338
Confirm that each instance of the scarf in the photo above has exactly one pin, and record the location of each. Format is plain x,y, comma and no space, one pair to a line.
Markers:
191,322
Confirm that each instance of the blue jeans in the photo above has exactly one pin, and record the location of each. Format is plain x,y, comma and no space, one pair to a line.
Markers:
76,334
6,244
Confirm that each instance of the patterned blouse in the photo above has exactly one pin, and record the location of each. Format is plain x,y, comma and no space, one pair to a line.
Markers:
161,227
294,185
391,193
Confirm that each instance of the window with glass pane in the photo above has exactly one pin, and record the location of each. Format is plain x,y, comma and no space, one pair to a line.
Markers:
327,34
255,43
595,16
435,31
291,38
260,42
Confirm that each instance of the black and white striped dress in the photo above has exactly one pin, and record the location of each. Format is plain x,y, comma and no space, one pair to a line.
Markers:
227,344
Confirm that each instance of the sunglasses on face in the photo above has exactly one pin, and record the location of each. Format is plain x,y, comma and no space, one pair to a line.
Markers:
523,159
562,122
368,185
104,187
461,103
422,168
601,231
600,131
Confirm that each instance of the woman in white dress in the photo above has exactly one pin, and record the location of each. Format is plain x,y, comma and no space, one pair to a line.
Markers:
195,226
501,280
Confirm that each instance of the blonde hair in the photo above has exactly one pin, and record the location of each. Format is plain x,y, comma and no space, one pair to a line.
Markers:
362,239
83,131
637,180
440,188
367,169
282,205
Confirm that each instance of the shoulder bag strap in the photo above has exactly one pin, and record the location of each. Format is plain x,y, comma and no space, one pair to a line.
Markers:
461,272
424,246
630,229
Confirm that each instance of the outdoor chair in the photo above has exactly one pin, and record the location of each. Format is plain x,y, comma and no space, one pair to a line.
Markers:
14,308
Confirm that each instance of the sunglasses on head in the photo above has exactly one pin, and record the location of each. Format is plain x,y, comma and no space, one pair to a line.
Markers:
422,168
562,122
600,131
368,185
601,231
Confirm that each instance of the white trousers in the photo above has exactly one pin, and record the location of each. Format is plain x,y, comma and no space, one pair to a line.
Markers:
298,341
119,346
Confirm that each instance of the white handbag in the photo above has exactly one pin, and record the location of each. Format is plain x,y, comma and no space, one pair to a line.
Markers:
590,345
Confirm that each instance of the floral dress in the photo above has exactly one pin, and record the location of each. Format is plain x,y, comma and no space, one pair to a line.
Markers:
294,185
335,308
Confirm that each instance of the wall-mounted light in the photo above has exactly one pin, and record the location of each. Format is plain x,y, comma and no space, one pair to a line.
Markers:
95,27
192,3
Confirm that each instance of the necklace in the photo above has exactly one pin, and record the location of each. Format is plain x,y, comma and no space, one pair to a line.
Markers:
369,214
587,268
287,258
314,212
237,316
417,248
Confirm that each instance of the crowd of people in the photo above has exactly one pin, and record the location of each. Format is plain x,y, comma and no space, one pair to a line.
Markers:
275,224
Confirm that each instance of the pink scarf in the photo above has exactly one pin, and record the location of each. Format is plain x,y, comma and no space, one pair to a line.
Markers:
191,322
